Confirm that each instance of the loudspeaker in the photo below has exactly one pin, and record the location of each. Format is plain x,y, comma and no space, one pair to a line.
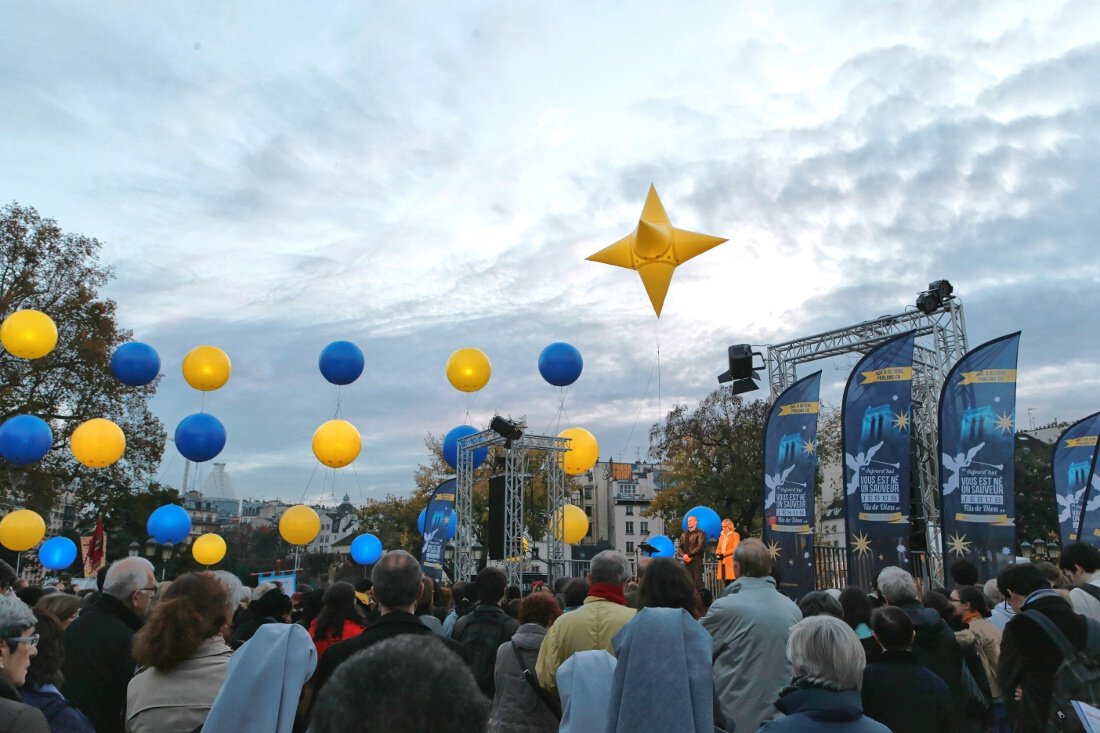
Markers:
495,542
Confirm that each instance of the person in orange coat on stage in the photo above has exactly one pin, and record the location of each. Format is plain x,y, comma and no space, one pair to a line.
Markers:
727,544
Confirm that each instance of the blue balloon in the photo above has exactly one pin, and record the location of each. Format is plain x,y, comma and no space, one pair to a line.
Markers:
135,364
450,446
57,553
200,437
341,362
169,523
25,439
663,545
708,520
560,364
366,549
420,520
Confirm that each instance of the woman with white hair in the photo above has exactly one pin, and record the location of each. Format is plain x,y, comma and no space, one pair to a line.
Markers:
18,644
827,661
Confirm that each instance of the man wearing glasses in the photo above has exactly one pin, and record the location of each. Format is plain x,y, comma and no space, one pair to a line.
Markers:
98,661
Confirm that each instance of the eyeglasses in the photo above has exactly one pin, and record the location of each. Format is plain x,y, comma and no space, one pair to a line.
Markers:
32,640
152,589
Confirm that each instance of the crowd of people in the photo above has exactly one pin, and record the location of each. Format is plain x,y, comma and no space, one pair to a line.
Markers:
606,652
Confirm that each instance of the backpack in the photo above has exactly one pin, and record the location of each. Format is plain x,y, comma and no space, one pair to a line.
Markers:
483,634
1077,678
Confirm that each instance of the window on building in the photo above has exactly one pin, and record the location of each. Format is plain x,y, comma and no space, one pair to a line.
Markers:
588,510
630,510
630,527
629,547
644,528
588,492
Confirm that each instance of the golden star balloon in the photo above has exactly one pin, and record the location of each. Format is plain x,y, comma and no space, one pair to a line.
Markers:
654,249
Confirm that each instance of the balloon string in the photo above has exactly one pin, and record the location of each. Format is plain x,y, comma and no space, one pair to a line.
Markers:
339,406
358,484
641,407
308,483
658,336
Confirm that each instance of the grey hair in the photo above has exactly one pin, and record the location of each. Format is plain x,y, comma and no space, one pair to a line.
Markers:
15,615
825,651
234,589
126,576
610,566
992,592
393,677
896,585
260,589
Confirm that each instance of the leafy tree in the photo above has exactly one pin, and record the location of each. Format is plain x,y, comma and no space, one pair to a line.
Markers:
1036,512
59,273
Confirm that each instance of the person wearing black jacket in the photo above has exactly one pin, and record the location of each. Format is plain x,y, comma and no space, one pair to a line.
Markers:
1029,658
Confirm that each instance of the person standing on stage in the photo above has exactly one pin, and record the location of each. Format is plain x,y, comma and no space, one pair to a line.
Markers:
692,544
727,545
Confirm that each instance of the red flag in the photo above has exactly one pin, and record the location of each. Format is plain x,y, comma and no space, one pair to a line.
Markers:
94,547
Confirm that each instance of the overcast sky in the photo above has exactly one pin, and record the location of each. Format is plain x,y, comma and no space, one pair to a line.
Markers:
268,177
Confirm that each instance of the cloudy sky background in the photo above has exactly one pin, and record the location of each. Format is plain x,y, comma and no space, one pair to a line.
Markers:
270,177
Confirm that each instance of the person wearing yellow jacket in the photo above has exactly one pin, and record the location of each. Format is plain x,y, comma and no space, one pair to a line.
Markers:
727,544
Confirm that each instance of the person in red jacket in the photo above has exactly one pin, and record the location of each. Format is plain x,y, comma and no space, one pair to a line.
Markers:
339,618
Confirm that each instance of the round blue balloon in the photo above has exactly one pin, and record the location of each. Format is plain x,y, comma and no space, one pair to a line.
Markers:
560,364
341,362
135,364
420,520
663,545
57,553
450,446
708,520
366,549
25,439
169,523
200,437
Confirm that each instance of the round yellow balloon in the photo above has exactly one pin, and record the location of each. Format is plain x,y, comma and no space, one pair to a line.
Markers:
583,451
206,368
21,530
28,334
209,549
468,370
572,524
299,525
97,443
337,443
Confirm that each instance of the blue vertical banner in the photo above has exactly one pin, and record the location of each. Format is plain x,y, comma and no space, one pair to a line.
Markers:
1071,467
876,426
439,527
790,462
977,457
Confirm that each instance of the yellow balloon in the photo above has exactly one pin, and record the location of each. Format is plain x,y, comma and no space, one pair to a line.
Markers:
97,443
337,443
299,525
209,549
572,524
468,370
28,334
21,530
206,368
583,452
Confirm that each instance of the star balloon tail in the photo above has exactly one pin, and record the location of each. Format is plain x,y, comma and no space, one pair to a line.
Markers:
641,406
309,482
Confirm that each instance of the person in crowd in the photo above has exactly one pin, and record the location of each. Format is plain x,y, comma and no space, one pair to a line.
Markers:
44,677
693,543
462,605
963,572
517,705
363,595
396,578
234,591
1081,564
574,593
898,691
1054,575
1002,613
311,604
483,630
273,607
182,657
584,685
1029,657
593,625
824,697
424,604
706,598
18,642
405,684
62,606
985,640
263,686
339,618
750,624
30,594
817,602
7,578
723,553
857,613
98,658
666,585
940,604
663,678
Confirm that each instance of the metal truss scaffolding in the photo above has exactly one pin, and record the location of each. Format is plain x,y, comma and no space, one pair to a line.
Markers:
940,342
515,473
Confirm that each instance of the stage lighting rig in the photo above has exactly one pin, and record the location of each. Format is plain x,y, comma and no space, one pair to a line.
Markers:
938,293
742,372
510,431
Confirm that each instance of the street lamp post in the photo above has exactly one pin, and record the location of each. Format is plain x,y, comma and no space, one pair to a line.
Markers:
134,549
165,556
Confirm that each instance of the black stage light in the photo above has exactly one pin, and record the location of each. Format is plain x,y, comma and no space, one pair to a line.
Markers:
928,303
741,369
942,288
506,429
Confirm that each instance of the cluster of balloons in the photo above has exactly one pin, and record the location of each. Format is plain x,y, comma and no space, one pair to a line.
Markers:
22,529
337,443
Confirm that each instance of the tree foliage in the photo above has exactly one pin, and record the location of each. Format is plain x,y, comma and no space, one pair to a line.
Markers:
1036,512
60,274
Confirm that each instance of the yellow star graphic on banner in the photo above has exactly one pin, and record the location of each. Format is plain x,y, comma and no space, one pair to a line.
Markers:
901,421
654,249
808,447
774,550
958,544
861,544
1004,423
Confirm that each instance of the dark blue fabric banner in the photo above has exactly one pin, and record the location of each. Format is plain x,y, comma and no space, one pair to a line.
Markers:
1090,518
977,457
1071,467
876,419
439,522
790,461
